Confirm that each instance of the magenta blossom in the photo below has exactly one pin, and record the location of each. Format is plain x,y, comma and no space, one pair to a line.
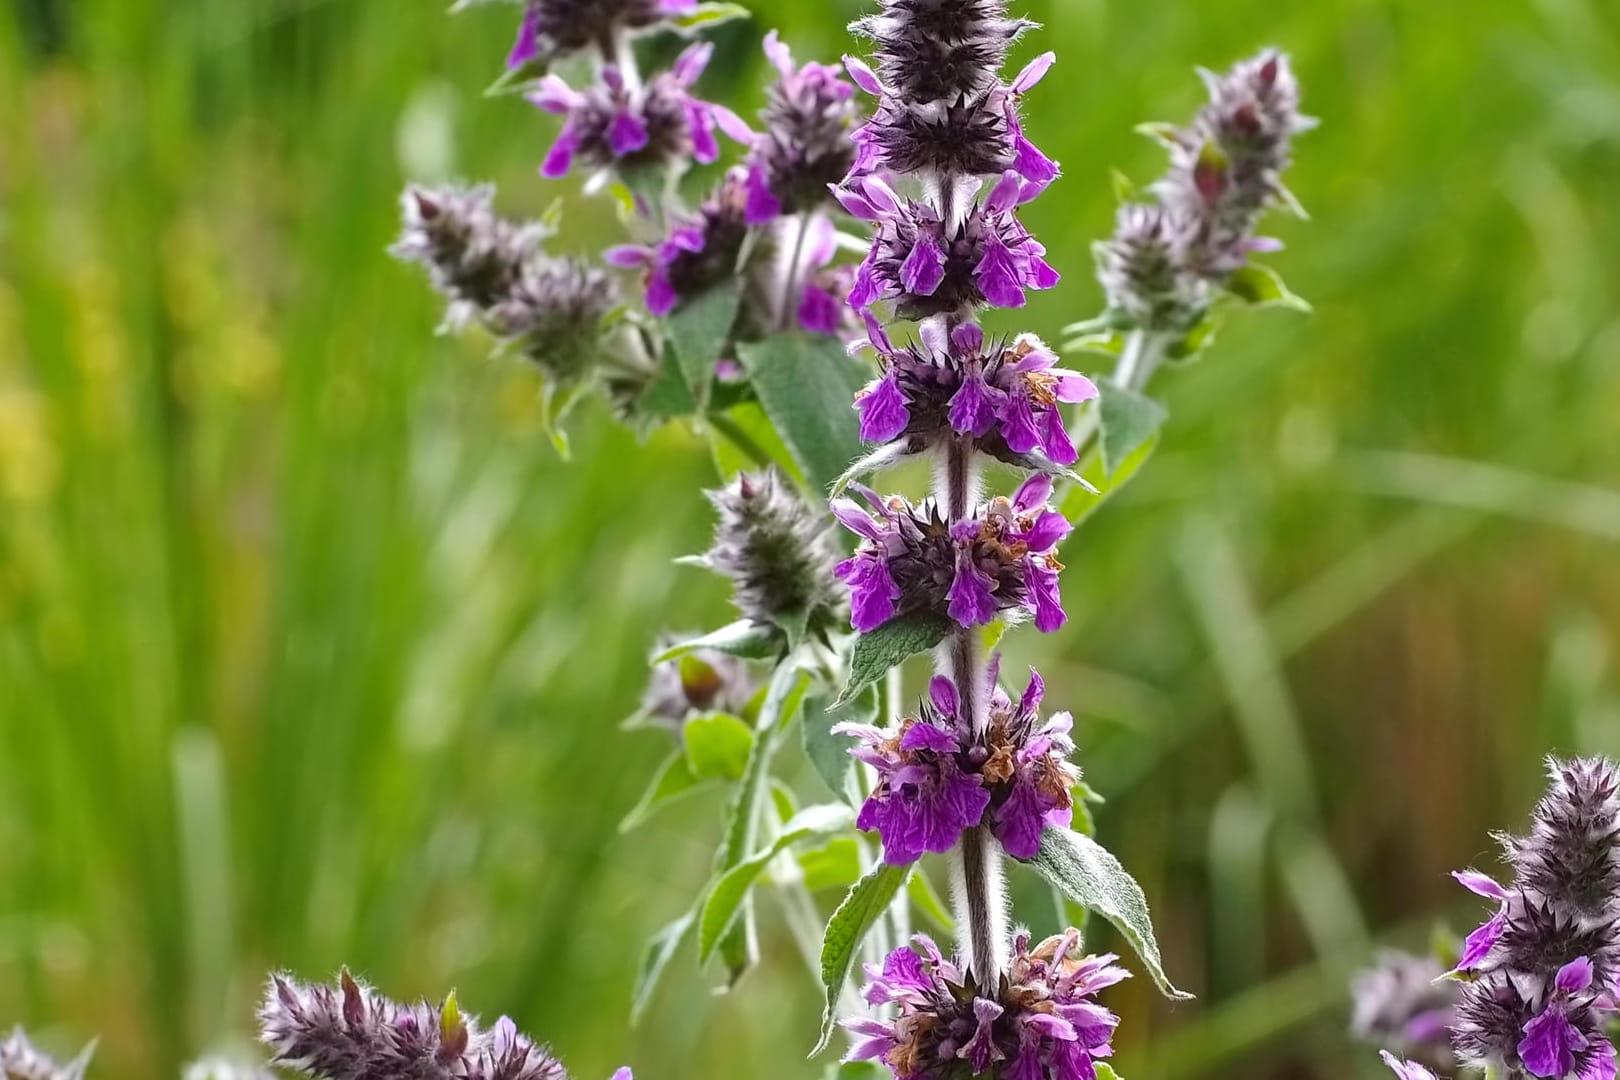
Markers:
928,266
615,124
803,146
915,561
1004,394
698,253
554,28
1040,1023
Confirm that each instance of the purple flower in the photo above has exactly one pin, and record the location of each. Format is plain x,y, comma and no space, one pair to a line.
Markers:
937,778
1404,1004
928,267
554,28
1005,394
349,1032
613,124
804,145
914,561
701,681
971,128
821,283
1041,1021
1543,968
697,255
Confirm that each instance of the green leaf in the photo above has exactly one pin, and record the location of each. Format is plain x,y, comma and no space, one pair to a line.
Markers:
1078,503
1104,1071
668,396
698,331
806,385
868,898
717,746
710,14
725,899
829,753
1263,287
876,652
926,900
673,781
655,957
742,638
743,438
1091,876
1195,340
835,866
1128,421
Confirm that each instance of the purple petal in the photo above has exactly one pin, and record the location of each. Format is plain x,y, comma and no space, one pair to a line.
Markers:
924,268
1600,1062
1477,946
1549,1044
1031,699
762,205
943,694
1019,821
1031,163
998,274
527,46
626,134
971,601
1041,584
973,407
1048,531
856,520
1480,884
921,736
883,410
735,127
700,123
1033,492
628,256
560,158
863,76
876,334
690,64
661,295
555,96
1033,73
778,54
1575,976
1073,387
968,339
1004,196
981,1049
1054,436
1406,1070
819,311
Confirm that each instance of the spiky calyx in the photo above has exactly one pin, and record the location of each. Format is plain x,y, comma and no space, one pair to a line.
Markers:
1571,855
778,553
350,1032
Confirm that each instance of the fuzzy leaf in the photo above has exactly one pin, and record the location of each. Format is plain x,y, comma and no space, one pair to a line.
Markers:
829,753
667,396
717,746
835,866
868,898
655,957
698,332
1089,874
806,385
1105,1071
673,780
883,648
1129,420
1078,502
742,638
1263,287
725,899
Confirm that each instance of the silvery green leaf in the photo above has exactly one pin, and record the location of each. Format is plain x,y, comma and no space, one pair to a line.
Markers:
673,780
655,957
806,385
866,902
699,330
881,649
1129,420
1090,875
717,746
743,638
829,753
1263,287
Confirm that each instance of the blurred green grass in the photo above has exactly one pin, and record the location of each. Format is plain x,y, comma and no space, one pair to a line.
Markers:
312,652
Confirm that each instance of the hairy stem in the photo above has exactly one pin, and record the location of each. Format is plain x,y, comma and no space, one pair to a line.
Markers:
791,276
976,871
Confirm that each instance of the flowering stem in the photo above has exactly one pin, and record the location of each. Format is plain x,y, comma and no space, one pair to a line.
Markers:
790,276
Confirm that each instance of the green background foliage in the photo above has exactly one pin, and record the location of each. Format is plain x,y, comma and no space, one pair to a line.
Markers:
312,651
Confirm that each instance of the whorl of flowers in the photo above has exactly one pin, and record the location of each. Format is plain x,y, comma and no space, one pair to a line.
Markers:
350,1032
698,254
618,124
937,778
21,1060
803,147
554,28
1225,173
778,553
913,560
1041,1022
1403,1003
1004,395
1543,969
493,269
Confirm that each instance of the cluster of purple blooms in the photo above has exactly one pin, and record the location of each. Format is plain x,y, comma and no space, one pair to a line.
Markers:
1405,1004
350,1032
1539,977
554,28
937,777
915,561
1040,1022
